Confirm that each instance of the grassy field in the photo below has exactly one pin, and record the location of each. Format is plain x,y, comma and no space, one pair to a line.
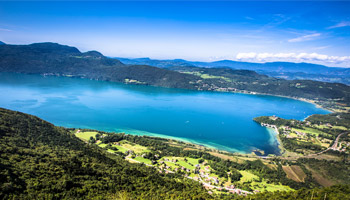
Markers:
207,76
85,135
143,160
181,161
333,127
340,128
247,176
193,161
185,164
321,179
310,131
264,186
134,147
261,186
295,173
120,148
171,164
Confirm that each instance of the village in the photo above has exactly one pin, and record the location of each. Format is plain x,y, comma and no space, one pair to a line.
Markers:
191,168
317,134
200,170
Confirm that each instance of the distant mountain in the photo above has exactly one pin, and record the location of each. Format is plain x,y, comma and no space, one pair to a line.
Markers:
156,63
61,60
285,70
2,43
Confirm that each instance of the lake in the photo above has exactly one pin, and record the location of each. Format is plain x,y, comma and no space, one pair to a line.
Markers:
220,120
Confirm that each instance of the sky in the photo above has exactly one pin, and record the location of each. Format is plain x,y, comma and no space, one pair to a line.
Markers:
254,31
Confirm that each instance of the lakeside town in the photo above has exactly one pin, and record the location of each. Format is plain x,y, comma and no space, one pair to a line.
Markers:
298,139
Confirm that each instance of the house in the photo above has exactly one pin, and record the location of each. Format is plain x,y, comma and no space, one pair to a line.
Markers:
274,117
128,152
300,133
328,124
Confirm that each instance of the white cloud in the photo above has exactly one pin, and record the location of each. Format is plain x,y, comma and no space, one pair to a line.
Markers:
293,57
341,24
305,38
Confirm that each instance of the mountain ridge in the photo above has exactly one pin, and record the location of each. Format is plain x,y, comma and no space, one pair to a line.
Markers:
288,70
61,60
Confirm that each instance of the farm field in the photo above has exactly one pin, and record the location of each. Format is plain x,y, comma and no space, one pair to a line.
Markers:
86,135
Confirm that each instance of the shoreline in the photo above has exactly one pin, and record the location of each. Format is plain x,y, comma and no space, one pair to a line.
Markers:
184,140
278,139
216,146
239,91
294,98
190,142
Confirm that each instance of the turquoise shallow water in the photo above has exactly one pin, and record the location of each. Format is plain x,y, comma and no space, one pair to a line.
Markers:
220,120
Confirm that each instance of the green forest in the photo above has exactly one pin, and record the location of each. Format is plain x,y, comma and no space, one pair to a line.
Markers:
60,60
42,161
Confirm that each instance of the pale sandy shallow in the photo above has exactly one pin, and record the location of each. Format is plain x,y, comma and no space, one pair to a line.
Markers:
208,145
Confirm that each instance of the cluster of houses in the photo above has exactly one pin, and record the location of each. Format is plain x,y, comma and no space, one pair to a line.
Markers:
230,189
173,161
342,146
269,126
301,134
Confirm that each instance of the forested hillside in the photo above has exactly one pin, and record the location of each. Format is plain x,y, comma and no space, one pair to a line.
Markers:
60,60
41,161
225,79
286,70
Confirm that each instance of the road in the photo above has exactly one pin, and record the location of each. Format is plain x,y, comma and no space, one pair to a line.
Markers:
203,182
333,147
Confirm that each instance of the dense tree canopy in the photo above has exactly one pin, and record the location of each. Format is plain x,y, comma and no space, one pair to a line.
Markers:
39,160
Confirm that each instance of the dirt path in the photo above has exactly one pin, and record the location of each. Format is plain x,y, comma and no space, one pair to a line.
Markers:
333,147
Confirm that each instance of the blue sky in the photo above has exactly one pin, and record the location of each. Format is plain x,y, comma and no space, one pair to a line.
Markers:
315,32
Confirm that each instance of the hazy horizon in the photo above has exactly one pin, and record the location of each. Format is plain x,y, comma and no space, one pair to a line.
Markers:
285,31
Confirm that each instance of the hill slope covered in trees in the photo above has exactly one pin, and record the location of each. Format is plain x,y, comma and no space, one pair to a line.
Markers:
42,161
287,70
60,60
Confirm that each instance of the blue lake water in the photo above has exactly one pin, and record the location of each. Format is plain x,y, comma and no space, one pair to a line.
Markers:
220,120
